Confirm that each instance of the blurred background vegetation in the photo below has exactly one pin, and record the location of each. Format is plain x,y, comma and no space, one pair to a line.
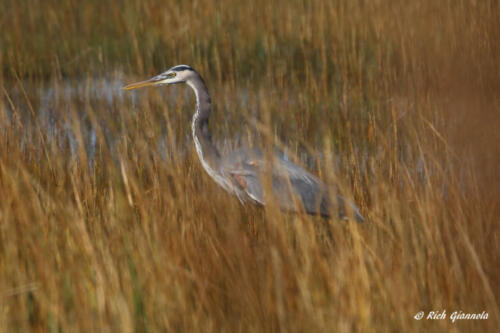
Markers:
108,223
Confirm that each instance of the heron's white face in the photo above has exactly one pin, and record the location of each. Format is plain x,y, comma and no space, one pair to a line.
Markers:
176,74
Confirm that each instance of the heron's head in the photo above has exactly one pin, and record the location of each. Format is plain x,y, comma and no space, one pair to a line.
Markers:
176,74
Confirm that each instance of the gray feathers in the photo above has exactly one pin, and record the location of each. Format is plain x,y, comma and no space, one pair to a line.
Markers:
292,186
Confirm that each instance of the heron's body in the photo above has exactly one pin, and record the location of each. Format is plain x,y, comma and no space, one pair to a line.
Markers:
244,171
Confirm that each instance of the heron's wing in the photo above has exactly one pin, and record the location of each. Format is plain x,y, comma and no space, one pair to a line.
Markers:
292,186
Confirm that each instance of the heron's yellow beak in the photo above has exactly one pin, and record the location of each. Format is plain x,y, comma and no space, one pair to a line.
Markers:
140,84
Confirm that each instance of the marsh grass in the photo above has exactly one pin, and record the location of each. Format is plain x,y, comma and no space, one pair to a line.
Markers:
109,223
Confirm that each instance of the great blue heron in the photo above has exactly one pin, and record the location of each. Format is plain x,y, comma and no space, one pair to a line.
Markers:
242,171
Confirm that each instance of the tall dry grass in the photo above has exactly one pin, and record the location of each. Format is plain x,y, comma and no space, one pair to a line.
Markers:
109,223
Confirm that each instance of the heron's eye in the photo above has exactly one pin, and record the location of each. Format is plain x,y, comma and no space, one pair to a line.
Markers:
171,75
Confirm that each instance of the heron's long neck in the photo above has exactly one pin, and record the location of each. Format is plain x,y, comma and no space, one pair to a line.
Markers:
208,154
